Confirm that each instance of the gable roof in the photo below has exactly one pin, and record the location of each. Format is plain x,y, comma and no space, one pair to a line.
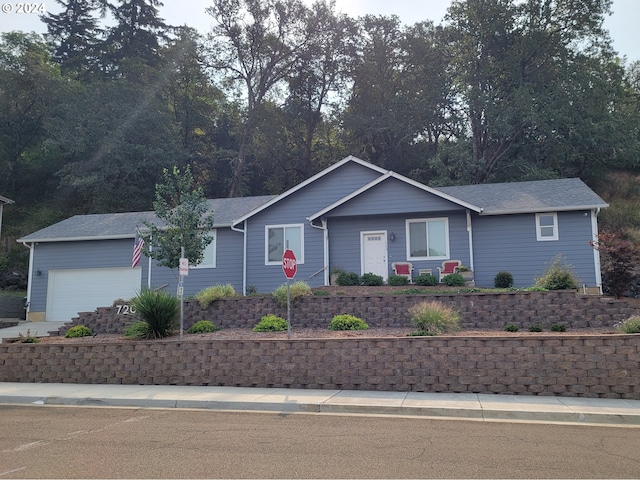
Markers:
300,186
389,174
111,226
528,197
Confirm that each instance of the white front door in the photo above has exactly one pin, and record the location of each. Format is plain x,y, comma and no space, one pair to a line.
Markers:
374,253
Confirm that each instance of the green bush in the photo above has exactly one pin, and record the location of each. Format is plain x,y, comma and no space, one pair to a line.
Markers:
535,328
630,325
296,289
348,279
503,280
398,280
557,276
371,280
271,323
78,331
137,330
434,318
159,310
454,280
558,327
511,327
426,280
203,326
347,322
210,294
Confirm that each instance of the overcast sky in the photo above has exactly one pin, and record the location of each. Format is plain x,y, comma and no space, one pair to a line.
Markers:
623,25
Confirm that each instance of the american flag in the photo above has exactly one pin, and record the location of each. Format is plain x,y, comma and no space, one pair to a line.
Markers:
137,251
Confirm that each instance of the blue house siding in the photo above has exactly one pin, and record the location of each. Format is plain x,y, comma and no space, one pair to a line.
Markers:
345,247
393,196
228,269
295,209
516,250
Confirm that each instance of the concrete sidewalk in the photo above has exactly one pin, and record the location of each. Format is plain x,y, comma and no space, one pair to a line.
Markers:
476,407
34,329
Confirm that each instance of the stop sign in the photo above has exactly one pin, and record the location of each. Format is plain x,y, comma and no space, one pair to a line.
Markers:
289,264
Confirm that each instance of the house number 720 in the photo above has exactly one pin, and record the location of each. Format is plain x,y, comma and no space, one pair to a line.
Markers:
124,309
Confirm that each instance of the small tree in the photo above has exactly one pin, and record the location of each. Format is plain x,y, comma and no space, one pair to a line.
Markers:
618,258
187,224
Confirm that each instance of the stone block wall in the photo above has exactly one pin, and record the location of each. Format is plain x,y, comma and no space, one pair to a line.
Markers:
577,365
491,311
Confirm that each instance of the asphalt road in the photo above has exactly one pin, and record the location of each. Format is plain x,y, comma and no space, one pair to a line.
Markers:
83,442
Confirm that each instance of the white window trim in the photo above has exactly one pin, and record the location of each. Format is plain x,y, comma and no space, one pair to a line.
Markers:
555,236
427,220
214,242
299,255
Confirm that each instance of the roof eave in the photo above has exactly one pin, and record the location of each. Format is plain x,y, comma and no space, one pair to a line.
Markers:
544,209
74,239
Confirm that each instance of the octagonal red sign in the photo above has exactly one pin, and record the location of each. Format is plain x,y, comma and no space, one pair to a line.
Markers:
289,264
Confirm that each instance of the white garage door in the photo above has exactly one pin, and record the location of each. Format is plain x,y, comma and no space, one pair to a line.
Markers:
73,291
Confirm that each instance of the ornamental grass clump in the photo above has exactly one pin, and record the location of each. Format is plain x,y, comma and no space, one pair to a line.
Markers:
210,294
558,276
296,289
630,325
434,318
347,322
159,310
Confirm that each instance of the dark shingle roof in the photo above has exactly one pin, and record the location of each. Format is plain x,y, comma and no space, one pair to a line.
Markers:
123,225
527,197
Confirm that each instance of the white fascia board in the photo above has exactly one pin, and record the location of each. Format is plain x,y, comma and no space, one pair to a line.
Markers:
74,239
300,186
545,209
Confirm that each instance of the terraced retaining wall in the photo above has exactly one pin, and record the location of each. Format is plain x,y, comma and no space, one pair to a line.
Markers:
490,311
589,366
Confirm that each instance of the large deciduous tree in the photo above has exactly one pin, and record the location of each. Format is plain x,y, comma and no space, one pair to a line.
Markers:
255,44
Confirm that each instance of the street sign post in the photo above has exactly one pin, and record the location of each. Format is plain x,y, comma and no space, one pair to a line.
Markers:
289,267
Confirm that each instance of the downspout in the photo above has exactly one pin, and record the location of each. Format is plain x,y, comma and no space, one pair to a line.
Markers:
326,247
596,252
470,232
29,279
244,255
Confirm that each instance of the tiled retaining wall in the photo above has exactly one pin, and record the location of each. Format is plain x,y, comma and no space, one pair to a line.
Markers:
589,366
479,311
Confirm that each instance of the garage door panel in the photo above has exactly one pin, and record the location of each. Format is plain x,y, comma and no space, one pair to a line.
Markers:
84,290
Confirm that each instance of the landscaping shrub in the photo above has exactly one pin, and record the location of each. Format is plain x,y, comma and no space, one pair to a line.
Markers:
511,327
347,322
271,323
503,280
535,328
371,280
557,276
426,280
398,280
558,327
618,258
203,326
78,331
159,310
210,294
137,330
28,338
454,280
296,289
348,279
434,318
630,325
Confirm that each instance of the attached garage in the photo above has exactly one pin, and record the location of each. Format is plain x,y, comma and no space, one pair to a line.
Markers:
84,290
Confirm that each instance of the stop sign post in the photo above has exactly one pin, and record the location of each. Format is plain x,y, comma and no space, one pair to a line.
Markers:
289,267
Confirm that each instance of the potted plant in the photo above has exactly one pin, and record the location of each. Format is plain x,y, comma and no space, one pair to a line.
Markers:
466,273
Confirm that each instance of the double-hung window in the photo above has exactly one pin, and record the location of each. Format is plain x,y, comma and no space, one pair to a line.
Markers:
278,238
547,227
209,258
428,239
